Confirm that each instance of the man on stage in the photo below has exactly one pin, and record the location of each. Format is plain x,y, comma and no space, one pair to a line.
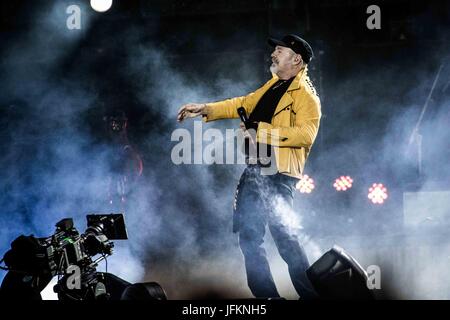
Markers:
284,114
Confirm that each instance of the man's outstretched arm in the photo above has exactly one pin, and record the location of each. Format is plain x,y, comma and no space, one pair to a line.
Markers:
225,109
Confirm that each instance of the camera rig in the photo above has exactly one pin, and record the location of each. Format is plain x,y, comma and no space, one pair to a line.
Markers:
72,257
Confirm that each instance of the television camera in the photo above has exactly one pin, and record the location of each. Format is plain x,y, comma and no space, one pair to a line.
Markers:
72,257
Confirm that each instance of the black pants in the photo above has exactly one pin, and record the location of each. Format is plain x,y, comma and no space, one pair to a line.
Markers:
267,200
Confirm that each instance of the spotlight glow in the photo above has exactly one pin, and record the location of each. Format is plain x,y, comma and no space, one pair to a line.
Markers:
377,193
305,185
343,183
101,5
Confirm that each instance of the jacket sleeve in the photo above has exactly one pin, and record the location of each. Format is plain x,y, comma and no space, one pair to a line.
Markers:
302,134
227,109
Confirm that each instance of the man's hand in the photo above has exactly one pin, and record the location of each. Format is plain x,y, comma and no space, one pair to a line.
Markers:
190,110
244,130
249,132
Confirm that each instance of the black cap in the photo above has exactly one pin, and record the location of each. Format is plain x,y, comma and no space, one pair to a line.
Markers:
297,44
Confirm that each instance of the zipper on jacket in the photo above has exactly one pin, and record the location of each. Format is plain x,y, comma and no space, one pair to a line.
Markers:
283,109
278,137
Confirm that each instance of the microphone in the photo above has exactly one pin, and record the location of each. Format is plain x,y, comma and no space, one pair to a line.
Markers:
248,125
243,115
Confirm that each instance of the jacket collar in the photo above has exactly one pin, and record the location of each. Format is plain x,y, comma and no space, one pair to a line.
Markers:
286,100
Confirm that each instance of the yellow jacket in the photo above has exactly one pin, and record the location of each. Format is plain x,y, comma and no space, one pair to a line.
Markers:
294,125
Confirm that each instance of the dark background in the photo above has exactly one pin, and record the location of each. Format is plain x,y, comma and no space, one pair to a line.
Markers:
150,57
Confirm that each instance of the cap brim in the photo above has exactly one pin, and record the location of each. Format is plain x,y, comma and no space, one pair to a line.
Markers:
274,42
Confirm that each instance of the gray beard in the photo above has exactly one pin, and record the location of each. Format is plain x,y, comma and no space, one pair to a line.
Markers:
273,68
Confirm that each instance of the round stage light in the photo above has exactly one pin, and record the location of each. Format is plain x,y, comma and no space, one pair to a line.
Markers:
101,5
305,185
343,183
377,193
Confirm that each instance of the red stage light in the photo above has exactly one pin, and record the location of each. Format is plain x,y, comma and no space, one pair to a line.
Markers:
343,183
305,185
377,193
